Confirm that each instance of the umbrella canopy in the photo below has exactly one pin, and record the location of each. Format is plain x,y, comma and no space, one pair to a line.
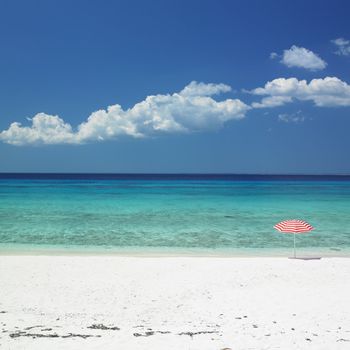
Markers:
295,227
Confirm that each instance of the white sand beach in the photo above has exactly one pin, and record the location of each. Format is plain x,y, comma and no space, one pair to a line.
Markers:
113,302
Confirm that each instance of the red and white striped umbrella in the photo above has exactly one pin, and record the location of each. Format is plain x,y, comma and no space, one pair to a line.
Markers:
293,226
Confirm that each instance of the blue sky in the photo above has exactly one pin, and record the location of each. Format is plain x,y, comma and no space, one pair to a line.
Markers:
61,61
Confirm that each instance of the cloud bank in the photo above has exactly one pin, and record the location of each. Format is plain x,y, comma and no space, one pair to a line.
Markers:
326,92
193,109
190,110
302,58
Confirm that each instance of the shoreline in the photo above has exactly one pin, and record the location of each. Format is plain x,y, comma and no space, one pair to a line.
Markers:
152,252
170,256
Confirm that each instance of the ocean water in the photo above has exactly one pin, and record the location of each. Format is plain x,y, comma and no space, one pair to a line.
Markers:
172,213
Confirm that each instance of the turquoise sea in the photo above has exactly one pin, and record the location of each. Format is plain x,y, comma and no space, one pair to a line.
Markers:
165,214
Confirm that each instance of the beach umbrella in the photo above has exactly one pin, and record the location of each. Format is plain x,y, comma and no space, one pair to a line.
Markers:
293,226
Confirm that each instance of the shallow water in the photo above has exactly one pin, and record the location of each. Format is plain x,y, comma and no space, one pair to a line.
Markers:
180,213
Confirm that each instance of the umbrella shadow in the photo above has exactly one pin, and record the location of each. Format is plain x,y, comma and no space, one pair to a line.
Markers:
306,257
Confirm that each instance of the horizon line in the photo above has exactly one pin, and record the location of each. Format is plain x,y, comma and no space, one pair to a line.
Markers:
171,173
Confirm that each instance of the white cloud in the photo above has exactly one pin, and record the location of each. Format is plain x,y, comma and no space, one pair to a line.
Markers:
302,58
273,55
343,46
201,89
326,92
291,118
192,109
272,101
49,129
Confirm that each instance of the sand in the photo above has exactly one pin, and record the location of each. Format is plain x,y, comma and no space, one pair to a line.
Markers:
111,302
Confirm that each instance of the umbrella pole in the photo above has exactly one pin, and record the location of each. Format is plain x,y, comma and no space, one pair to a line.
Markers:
294,246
